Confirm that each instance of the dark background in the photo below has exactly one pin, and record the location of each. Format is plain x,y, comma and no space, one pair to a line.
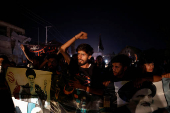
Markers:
140,24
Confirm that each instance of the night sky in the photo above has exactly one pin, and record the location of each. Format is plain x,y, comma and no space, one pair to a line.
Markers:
142,25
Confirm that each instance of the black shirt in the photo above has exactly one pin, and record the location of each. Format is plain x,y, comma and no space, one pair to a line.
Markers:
91,77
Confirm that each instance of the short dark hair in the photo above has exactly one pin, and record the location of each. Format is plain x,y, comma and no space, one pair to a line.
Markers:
99,56
146,59
85,47
30,71
121,58
127,91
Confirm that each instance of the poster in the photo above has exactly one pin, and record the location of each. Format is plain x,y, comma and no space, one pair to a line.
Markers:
30,89
150,97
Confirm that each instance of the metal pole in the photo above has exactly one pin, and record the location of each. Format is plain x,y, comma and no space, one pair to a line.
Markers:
38,36
46,36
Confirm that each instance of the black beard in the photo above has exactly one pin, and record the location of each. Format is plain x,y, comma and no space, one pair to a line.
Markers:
145,104
82,63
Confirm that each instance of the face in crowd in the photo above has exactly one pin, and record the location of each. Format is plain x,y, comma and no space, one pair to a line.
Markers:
149,67
83,58
118,69
99,60
120,64
52,64
84,53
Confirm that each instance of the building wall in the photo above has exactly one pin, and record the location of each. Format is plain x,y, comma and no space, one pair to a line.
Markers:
8,33
9,28
5,44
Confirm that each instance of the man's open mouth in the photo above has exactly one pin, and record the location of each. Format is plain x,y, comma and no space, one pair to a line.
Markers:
145,104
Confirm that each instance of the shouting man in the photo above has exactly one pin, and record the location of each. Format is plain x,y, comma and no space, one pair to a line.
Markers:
86,79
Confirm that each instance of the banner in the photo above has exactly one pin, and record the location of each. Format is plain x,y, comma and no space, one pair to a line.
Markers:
30,89
148,98
38,91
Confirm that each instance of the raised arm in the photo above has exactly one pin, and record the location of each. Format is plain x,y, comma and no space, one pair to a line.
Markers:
154,78
23,49
62,50
157,78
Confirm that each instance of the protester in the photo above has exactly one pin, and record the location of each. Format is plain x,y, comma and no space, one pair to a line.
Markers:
55,64
149,70
85,77
100,62
35,60
92,61
120,71
5,93
78,79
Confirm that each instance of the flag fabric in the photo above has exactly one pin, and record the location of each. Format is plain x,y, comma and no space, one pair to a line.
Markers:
100,43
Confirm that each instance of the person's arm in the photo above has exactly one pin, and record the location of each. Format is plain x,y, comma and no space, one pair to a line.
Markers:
166,75
155,78
23,49
43,64
62,49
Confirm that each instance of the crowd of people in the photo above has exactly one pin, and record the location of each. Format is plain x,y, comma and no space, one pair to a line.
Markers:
88,82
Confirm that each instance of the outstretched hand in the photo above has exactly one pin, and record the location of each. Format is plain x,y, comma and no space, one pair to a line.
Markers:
81,35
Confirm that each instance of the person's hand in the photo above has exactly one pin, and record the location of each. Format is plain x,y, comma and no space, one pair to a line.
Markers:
59,50
22,47
81,35
166,75
75,84
106,83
